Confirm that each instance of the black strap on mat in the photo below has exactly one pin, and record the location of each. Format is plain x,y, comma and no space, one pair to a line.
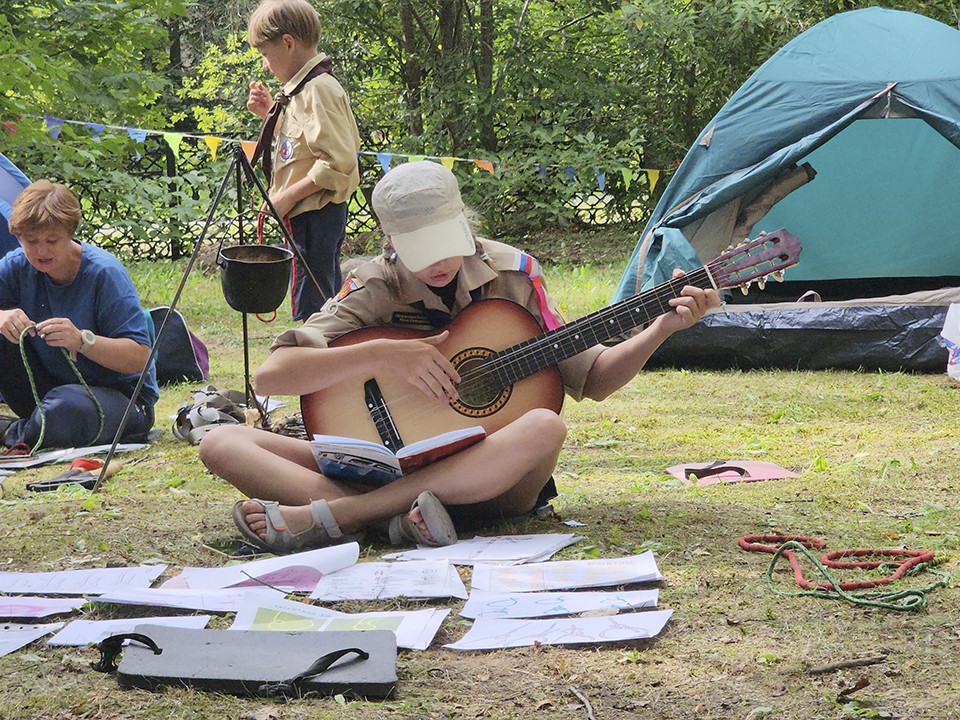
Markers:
111,647
291,686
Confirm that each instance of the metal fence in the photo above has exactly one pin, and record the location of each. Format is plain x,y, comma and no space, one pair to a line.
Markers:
184,185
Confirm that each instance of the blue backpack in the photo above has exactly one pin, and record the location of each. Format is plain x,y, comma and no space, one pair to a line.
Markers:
182,356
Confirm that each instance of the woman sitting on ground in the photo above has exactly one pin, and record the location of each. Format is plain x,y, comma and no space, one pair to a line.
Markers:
73,311
437,270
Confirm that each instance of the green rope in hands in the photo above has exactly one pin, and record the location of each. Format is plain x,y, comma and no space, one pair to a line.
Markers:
36,395
912,599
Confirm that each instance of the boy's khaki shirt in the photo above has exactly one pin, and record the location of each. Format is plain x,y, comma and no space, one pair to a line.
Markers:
384,293
317,137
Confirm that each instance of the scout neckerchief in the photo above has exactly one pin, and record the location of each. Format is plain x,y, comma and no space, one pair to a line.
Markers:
280,101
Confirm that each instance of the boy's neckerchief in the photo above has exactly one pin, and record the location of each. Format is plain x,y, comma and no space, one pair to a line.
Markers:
280,101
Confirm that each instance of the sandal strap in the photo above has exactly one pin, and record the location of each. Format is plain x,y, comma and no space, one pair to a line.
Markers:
277,532
324,518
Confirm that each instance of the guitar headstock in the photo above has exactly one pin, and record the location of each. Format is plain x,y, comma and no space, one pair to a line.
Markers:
766,255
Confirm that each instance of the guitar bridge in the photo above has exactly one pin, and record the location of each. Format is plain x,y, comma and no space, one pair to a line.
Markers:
380,414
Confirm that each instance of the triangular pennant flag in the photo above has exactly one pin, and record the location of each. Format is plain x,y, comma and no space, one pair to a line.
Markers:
213,143
601,177
10,127
137,135
570,173
385,159
249,146
416,158
542,172
653,176
54,125
628,176
484,165
447,162
95,129
173,140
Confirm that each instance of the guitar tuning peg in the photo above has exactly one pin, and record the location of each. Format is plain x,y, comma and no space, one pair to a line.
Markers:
778,275
762,283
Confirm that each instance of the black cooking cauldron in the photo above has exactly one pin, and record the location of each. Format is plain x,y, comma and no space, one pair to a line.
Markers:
254,278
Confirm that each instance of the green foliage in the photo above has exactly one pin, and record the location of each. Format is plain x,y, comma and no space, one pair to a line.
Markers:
217,89
552,93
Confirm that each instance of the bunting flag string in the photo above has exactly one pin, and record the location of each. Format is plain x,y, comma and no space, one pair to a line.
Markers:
54,126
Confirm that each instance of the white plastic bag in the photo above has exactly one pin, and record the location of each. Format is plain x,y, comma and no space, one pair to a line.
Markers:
951,334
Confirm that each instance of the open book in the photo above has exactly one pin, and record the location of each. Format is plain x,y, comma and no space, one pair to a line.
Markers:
344,458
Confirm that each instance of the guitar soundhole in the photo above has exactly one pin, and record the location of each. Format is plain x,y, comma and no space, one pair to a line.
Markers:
481,394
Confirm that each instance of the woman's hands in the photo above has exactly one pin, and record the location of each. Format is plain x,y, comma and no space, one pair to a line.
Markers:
61,332
13,323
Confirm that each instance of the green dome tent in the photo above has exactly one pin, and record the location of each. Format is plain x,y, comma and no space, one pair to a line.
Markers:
848,136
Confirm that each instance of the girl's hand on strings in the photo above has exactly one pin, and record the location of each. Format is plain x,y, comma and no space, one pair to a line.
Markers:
420,363
13,323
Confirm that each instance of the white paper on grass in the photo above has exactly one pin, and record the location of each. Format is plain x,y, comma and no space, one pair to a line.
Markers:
486,604
14,636
506,549
376,581
566,574
29,606
414,629
85,632
299,572
494,633
79,582
227,600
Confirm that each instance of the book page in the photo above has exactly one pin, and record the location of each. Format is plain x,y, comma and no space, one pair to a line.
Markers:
440,440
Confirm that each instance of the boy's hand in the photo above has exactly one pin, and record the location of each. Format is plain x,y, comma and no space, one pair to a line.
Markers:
259,101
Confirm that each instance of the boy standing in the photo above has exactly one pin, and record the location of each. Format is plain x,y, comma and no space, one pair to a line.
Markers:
311,167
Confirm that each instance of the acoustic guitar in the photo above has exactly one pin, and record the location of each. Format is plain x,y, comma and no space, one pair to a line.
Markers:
507,365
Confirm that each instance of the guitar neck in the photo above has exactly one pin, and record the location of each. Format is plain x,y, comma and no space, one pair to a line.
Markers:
546,350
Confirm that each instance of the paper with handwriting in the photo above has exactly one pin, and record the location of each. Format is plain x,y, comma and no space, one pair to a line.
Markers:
379,580
79,582
298,572
566,574
14,636
486,604
506,549
85,632
496,633
226,600
415,629
30,606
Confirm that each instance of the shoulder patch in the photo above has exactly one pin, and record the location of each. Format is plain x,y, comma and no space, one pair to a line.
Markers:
351,285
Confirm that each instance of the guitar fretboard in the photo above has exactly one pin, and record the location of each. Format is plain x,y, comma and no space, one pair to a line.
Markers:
536,354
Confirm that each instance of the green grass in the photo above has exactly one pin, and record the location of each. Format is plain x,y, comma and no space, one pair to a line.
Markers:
877,455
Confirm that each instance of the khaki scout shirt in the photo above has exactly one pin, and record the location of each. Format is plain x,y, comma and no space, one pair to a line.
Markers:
317,137
383,293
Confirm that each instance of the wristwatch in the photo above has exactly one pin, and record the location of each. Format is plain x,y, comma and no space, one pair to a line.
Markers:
89,340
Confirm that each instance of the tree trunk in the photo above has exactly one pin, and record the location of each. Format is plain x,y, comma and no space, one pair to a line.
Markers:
488,133
411,69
